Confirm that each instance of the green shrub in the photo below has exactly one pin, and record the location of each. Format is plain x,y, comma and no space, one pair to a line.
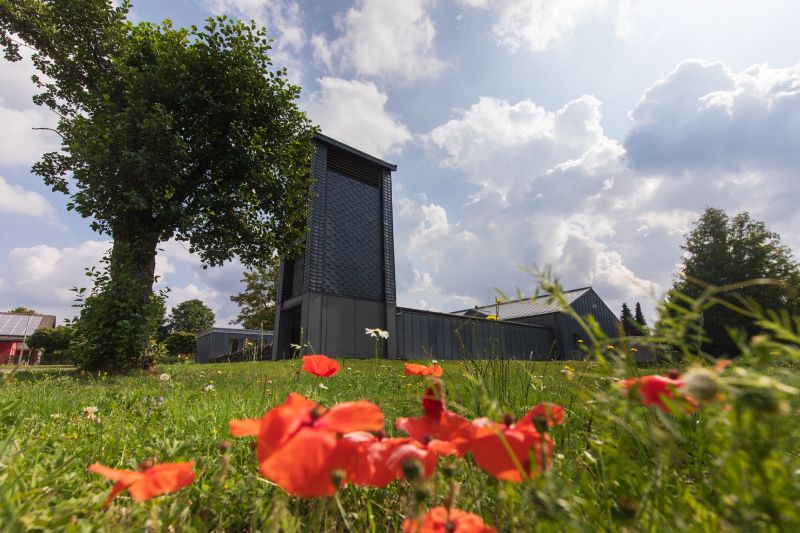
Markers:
181,342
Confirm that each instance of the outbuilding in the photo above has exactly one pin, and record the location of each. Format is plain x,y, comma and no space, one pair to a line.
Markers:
215,343
15,328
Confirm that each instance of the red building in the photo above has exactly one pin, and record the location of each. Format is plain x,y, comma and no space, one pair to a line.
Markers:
14,330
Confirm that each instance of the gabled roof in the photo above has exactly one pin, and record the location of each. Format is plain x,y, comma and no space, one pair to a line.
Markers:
15,326
526,306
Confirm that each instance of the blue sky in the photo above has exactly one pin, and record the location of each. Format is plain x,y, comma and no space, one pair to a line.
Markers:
583,134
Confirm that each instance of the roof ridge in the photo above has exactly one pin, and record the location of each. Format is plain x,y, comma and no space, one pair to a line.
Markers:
528,298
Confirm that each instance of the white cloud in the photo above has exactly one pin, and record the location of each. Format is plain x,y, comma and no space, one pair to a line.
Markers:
535,25
20,143
507,146
18,201
705,115
355,112
41,276
383,39
551,188
284,23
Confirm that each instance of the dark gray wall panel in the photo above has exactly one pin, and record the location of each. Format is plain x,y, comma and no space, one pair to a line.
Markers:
426,334
367,315
340,320
353,249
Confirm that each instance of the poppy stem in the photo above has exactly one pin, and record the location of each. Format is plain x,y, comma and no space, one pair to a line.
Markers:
512,455
341,511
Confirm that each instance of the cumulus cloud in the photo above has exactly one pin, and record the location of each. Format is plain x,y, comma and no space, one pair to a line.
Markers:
705,115
551,188
20,143
284,22
41,276
535,25
383,39
504,146
355,112
15,200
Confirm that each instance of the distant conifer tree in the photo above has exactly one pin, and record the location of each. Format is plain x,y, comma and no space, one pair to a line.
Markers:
627,320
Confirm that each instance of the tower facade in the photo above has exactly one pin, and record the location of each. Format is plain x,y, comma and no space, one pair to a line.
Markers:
344,280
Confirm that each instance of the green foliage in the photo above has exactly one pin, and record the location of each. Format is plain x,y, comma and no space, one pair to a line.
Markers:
181,343
626,317
22,311
191,316
743,258
257,301
641,322
728,465
166,132
54,341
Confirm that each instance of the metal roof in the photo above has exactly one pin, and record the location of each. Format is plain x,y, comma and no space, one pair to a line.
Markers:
528,306
339,144
240,331
17,326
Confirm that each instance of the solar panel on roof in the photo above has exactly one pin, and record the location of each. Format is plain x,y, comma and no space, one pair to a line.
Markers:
19,325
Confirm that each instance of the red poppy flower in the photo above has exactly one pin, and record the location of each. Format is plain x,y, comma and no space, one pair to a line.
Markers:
148,482
443,520
320,365
554,414
655,389
438,424
403,453
373,461
512,452
414,369
296,441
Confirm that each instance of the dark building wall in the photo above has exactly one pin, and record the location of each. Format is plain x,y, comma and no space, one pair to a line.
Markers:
566,329
422,334
353,243
344,280
215,343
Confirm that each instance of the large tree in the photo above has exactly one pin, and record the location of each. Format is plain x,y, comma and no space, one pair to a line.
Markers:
166,133
626,317
257,301
20,310
192,316
723,251
641,321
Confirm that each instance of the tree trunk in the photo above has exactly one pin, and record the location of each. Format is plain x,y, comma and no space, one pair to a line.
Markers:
117,323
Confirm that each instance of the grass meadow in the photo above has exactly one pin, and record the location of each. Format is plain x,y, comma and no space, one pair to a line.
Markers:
732,464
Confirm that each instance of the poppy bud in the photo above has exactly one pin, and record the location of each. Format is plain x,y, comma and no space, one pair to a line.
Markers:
316,412
145,464
701,384
540,423
337,477
447,471
673,373
412,469
763,400
421,494
224,446
508,419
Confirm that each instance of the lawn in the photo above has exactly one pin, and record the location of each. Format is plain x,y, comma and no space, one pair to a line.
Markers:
731,463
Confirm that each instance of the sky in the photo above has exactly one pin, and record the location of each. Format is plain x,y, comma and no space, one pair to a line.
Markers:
583,135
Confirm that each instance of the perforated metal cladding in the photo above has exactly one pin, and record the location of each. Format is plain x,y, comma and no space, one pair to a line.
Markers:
314,250
352,249
298,276
349,164
388,238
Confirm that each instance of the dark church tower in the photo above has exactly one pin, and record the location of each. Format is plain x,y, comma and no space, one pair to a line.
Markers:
343,282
